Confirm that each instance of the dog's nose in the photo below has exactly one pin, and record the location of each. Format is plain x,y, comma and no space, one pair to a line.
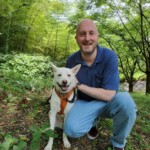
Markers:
64,81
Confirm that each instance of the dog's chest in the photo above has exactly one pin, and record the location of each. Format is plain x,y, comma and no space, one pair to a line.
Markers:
56,103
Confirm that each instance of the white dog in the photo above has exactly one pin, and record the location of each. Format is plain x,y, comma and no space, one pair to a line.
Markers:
62,98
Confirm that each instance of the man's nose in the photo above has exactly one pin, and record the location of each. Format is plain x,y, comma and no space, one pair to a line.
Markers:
87,36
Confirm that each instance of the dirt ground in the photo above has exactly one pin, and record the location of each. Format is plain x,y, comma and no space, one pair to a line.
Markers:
19,113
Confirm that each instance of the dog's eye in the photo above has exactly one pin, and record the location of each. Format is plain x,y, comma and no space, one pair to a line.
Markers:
69,75
59,75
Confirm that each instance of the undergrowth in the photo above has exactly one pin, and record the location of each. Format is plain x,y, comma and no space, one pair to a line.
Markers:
25,81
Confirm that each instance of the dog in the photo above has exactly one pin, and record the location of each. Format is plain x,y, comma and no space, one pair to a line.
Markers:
62,99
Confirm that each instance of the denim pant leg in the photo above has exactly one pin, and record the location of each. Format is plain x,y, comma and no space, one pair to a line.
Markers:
123,111
82,117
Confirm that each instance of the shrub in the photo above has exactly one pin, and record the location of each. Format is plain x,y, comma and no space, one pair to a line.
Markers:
12,143
24,71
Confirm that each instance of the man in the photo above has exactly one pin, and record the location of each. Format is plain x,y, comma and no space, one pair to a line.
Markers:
98,84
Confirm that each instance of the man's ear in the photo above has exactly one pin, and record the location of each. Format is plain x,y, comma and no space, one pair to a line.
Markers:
54,68
76,68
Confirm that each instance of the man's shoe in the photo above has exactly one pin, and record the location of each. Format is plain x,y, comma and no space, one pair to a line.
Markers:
93,133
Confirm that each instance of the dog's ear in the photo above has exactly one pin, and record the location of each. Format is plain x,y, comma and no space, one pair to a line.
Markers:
53,67
76,69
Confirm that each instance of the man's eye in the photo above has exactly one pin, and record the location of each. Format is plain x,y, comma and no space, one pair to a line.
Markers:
92,33
59,75
82,34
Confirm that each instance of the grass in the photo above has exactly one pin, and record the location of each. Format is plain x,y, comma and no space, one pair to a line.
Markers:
23,104
139,135
20,114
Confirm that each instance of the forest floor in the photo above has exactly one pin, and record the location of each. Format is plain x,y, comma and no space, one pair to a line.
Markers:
19,112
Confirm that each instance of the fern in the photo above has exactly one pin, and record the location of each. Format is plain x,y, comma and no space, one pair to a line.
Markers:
38,133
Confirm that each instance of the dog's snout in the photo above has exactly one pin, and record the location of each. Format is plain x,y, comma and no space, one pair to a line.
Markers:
64,81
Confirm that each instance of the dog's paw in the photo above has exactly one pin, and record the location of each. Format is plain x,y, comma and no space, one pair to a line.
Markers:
47,148
67,144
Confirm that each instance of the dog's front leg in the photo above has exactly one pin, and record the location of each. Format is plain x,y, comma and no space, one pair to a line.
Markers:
52,118
65,141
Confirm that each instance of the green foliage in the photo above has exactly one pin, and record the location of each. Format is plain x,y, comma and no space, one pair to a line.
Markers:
24,71
138,139
28,66
36,26
143,120
38,133
13,143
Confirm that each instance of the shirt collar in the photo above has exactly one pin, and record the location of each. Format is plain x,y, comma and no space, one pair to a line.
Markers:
100,53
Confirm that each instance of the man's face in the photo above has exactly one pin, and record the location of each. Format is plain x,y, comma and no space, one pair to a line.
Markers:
87,37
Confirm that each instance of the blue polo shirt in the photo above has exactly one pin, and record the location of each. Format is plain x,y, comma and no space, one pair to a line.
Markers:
102,74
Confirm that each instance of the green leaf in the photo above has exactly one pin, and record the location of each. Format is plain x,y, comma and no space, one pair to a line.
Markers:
37,135
50,133
5,146
35,145
34,128
11,140
21,145
45,126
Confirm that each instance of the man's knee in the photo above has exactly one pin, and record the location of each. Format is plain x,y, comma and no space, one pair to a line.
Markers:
126,104
72,130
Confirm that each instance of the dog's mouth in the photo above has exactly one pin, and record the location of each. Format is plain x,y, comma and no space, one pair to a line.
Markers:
64,87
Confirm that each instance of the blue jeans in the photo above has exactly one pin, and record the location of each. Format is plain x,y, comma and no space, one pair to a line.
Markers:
84,114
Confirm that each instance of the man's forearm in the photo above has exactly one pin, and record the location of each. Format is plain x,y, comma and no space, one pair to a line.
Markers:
98,93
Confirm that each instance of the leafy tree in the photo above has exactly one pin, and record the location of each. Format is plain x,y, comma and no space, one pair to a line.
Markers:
134,18
131,22
13,27
36,27
127,62
119,41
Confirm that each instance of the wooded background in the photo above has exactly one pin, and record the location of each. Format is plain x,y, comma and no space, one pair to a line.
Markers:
47,27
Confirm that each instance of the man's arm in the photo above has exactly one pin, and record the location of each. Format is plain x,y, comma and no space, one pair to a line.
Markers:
97,93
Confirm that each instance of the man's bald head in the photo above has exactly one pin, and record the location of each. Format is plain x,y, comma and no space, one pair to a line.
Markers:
86,22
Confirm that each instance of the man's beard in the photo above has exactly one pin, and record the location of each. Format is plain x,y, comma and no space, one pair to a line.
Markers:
88,52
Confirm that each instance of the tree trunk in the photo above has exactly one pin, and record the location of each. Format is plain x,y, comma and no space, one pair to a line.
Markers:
131,87
56,40
148,83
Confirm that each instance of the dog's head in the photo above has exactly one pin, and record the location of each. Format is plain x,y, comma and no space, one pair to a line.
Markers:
64,78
